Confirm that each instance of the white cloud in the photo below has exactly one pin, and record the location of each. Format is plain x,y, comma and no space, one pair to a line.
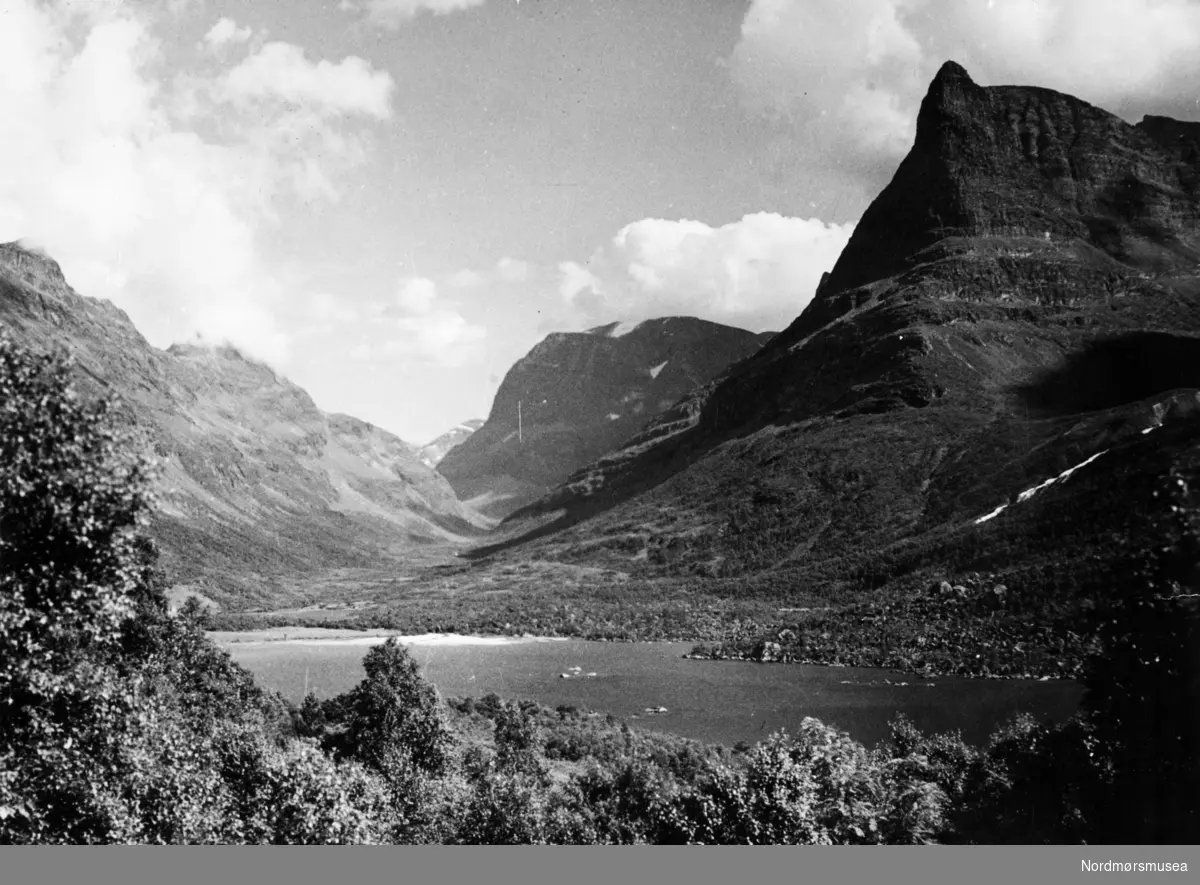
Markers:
393,13
429,330
758,272
281,71
417,294
849,77
512,270
466,279
103,162
225,32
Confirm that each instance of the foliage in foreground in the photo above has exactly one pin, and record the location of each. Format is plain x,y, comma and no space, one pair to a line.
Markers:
124,724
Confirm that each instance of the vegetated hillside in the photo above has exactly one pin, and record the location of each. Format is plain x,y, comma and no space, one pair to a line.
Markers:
432,453
577,395
260,489
1021,298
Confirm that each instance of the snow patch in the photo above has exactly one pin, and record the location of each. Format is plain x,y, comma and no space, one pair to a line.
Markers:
992,515
656,369
613,416
1062,477
1029,493
620,329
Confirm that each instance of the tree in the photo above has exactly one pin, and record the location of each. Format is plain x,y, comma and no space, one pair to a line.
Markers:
72,498
395,708
71,502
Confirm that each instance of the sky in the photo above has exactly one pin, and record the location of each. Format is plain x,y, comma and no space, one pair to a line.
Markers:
391,201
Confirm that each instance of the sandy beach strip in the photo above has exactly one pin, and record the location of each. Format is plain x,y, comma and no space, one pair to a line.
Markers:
326,636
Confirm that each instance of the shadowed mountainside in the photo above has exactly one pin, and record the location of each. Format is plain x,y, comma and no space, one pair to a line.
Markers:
576,395
1020,298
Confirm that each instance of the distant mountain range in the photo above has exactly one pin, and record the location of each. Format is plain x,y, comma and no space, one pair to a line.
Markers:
1023,298
432,453
577,395
261,490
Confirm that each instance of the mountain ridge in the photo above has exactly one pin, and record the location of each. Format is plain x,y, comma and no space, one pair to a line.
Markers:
260,489
576,394
947,361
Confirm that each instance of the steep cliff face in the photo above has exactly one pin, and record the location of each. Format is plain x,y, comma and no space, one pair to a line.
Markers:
258,485
1021,296
576,395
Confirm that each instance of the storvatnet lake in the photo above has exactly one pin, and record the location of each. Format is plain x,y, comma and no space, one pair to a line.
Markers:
713,701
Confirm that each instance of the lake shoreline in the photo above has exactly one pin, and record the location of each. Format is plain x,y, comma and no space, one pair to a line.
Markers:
707,700
338,636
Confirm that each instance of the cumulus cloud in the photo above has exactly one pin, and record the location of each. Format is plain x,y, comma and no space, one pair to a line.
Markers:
512,270
430,330
848,77
147,189
393,13
466,279
758,272
281,71
224,32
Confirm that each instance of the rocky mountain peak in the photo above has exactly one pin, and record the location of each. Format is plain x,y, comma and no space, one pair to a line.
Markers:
33,264
1030,163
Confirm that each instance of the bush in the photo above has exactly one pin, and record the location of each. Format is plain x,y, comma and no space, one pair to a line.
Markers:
819,787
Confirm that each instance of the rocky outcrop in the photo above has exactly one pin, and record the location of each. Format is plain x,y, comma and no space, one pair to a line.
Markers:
576,395
259,489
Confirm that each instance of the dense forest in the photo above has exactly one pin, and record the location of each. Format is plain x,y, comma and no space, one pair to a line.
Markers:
123,723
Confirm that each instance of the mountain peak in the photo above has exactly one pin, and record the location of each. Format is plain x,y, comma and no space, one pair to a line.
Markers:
32,262
951,71
1026,163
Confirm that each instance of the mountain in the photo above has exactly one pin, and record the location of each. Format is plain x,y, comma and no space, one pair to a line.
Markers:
576,395
260,490
1022,299
432,453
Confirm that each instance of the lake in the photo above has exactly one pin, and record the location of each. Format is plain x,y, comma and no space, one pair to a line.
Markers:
713,701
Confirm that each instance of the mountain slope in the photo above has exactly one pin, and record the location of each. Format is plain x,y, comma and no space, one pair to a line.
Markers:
260,489
432,453
576,395
1022,296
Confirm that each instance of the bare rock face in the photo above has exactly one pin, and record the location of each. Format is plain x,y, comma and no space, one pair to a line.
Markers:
260,489
1020,297
576,395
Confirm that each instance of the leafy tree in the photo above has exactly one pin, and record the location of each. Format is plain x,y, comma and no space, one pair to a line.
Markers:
517,745
72,498
395,708
71,501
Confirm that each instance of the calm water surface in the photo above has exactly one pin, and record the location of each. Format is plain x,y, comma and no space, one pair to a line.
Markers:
716,701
